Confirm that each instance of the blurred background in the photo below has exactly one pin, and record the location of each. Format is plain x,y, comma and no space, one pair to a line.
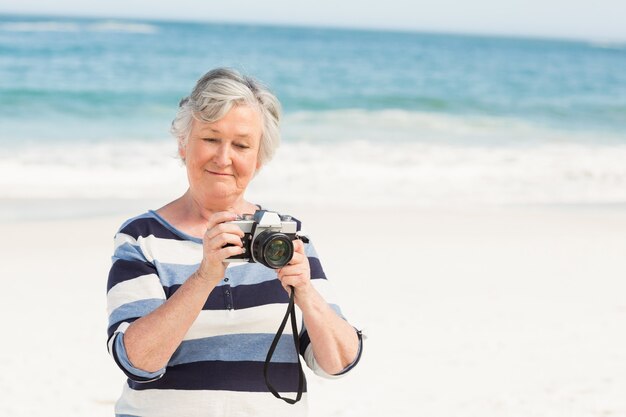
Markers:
401,103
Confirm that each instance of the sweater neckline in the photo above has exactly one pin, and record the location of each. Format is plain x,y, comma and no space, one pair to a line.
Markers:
173,229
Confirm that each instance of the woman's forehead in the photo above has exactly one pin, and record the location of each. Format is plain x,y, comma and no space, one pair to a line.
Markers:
240,121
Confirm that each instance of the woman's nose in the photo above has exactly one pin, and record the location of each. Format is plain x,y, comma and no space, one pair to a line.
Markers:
222,156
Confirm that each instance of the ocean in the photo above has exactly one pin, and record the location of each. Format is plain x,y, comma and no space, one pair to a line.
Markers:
370,117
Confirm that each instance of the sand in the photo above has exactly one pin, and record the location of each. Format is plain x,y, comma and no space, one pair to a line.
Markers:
484,311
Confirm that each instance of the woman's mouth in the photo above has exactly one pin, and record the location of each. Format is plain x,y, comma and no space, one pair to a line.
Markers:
222,174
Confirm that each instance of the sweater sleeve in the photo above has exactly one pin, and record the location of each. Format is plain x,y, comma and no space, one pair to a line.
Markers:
322,285
133,291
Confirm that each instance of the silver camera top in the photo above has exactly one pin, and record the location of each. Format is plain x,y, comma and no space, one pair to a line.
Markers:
266,220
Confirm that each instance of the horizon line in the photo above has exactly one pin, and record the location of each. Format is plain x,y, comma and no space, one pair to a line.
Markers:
309,25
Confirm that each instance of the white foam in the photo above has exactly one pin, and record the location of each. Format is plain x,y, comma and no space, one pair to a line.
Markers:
114,169
608,44
351,158
425,174
352,173
63,26
114,26
50,26
395,125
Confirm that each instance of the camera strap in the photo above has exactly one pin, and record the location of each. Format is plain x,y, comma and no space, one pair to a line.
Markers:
294,328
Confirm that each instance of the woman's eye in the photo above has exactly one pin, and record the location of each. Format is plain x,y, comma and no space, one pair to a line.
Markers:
212,140
241,146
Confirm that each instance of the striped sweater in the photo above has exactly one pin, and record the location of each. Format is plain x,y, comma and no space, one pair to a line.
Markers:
218,368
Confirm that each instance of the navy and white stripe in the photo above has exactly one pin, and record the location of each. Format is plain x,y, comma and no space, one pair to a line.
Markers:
225,348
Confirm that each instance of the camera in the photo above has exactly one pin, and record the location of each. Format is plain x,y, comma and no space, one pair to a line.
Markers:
268,238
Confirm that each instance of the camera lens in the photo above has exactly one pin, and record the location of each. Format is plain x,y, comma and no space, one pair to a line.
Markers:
276,250
273,249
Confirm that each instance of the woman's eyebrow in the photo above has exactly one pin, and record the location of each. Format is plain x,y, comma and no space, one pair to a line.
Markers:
244,135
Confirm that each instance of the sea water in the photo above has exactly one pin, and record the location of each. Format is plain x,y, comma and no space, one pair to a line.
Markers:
370,117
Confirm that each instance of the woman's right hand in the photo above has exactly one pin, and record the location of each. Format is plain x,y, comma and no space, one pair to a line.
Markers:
219,233
151,340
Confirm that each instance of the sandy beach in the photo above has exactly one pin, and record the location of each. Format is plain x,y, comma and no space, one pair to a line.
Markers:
484,311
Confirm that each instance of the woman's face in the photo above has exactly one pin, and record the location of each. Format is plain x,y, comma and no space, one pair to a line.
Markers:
221,157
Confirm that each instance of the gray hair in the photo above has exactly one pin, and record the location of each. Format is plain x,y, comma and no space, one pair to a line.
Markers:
216,93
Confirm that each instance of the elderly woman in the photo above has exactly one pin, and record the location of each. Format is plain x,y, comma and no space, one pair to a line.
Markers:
190,330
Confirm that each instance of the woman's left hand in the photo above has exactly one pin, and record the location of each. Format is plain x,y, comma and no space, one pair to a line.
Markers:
297,272
334,341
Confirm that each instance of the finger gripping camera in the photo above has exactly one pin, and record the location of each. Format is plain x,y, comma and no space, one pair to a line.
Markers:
268,238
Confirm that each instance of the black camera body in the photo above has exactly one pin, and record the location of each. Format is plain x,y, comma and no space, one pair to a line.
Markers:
268,238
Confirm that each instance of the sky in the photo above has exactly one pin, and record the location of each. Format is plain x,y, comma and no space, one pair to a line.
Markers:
597,19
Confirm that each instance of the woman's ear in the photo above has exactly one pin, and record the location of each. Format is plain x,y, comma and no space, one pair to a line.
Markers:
182,150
